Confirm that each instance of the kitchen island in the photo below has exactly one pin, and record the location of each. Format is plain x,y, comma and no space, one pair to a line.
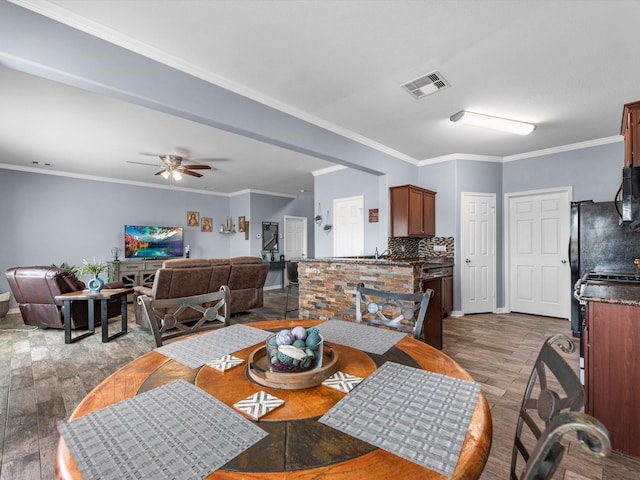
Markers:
328,286
612,360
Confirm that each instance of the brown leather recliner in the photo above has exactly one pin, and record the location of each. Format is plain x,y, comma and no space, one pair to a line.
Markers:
35,289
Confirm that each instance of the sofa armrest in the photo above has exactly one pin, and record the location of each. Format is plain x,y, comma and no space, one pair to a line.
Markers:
141,290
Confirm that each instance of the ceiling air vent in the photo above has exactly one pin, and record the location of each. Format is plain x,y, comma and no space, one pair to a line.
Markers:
426,85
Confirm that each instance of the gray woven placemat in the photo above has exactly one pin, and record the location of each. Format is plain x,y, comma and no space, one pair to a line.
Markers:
363,337
176,431
418,415
200,349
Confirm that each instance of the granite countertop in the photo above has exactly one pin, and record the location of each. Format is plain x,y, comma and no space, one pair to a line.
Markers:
426,262
621,293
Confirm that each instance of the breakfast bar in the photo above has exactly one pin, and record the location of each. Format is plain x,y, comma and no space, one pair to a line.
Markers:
328,286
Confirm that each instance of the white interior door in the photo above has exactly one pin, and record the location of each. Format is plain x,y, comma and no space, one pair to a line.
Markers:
539,272
348,227
478,270
295,237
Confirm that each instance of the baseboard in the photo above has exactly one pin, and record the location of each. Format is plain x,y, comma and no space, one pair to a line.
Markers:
460,313
273,287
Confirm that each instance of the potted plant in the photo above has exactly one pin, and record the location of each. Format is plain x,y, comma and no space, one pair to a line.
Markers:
65,266
94,268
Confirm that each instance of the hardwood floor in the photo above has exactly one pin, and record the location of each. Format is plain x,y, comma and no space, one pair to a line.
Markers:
42,380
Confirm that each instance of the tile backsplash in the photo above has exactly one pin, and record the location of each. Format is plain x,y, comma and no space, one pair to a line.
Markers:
421,247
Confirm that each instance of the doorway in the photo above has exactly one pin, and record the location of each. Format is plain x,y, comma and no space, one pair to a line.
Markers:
348,228
538,270
295,237
478,239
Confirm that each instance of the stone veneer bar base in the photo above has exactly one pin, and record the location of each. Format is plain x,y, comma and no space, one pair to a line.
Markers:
328,288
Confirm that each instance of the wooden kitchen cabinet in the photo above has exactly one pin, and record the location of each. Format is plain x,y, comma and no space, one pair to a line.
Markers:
612,372
447,295
413,211
630,130
432,326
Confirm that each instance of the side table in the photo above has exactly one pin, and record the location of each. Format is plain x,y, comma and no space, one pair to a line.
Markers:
104,296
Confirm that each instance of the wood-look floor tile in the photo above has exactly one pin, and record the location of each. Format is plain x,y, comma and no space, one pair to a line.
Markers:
497,350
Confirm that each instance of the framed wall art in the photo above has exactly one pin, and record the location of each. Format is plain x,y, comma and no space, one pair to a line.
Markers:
193,219
207,224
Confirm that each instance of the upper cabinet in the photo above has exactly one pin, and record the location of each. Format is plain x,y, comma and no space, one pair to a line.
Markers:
413,211
631,132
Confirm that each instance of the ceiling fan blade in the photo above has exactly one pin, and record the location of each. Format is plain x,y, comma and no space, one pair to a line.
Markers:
188,172
161,172
142,163
197,167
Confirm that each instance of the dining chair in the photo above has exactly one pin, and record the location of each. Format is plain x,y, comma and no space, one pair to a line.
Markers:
162,315
551,407
391,309
292,277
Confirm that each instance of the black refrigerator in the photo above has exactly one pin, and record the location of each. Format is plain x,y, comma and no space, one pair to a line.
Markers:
598,243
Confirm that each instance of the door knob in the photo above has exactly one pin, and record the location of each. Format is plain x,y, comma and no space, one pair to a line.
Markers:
564,261
467,261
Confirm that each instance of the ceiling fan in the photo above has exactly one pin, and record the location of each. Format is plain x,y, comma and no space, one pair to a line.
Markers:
174,169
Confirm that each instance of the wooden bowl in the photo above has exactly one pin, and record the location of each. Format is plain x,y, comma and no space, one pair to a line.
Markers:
260,373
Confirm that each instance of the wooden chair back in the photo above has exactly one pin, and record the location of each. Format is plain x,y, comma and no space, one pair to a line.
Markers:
162,314
392,310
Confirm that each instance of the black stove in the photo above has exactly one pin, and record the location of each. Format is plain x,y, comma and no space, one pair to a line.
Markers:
611,277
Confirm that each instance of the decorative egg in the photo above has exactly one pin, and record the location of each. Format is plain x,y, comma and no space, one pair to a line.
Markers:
299,344
300,333
312,330
313,340
284,337
291,351
273,341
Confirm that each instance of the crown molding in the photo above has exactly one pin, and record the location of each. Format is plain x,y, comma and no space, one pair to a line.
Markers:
96,178
327,170
460,156
565,148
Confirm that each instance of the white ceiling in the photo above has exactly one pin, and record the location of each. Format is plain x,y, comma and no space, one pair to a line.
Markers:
567,66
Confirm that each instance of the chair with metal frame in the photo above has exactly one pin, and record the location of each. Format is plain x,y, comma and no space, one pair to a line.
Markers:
162,315
392,310
292,276
552,406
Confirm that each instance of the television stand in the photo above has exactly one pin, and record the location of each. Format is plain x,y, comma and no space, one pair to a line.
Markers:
134,273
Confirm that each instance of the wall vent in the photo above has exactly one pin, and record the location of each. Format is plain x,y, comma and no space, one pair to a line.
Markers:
426,85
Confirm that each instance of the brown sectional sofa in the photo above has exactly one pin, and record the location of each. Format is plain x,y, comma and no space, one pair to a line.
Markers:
185,277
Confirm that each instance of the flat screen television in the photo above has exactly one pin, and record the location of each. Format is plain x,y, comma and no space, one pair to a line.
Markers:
152,241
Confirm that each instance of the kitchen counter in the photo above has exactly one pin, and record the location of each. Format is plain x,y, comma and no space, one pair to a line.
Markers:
327,286
620,293
424,262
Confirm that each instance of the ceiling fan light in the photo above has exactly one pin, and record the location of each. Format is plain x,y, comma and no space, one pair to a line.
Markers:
495,123
176,175
165,174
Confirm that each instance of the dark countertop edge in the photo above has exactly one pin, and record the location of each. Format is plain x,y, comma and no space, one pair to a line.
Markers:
623,294
426,262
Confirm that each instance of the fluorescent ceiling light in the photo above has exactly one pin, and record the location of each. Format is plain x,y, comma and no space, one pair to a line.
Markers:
496,123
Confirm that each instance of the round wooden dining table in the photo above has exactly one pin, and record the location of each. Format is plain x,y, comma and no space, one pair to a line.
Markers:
341,457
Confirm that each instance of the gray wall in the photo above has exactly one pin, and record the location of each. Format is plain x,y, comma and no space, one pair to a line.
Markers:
592,172
53,219
350,183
